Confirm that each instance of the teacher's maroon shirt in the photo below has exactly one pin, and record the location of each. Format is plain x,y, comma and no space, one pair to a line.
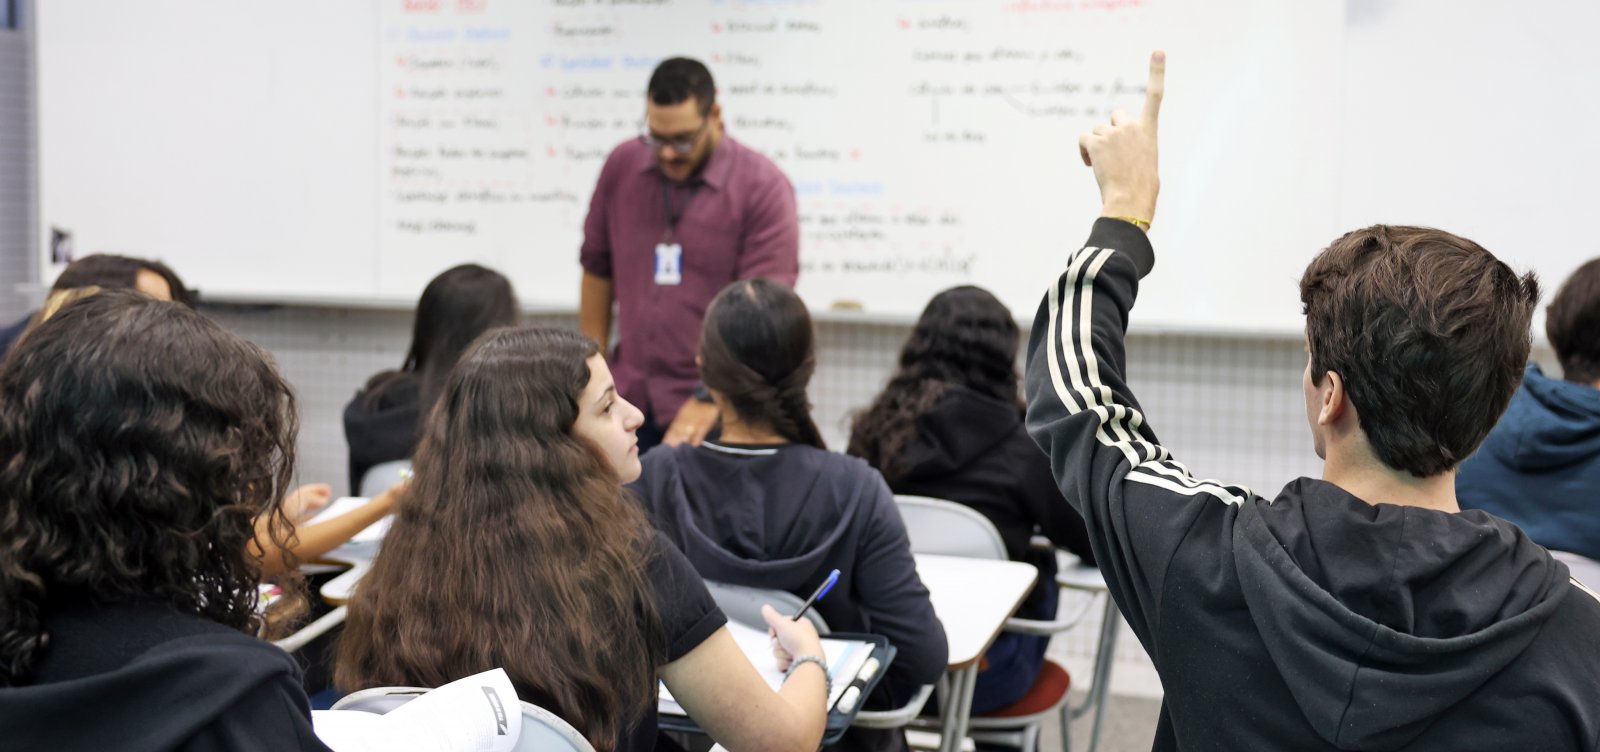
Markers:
740,223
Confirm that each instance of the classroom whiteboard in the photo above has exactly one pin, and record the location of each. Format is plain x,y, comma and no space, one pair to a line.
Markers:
347,152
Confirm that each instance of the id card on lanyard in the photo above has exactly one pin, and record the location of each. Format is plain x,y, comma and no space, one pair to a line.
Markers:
669,252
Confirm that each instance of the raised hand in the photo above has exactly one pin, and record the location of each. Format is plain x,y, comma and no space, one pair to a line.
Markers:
1123,153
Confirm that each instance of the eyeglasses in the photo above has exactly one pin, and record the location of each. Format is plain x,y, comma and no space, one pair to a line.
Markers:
679,145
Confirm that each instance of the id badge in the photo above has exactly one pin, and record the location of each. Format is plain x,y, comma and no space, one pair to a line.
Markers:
669,264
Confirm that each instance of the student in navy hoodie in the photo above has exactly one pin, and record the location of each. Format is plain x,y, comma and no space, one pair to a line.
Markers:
142,442
949,425
1540,466
767,505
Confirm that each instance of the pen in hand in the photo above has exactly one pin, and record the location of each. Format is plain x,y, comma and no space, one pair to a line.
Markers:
822,590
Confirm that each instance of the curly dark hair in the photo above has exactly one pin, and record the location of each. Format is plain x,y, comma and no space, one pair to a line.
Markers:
1429,332
140,442
965,337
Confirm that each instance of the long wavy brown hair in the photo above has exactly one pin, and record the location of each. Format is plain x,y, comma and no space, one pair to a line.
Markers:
965,337
139,441
514,547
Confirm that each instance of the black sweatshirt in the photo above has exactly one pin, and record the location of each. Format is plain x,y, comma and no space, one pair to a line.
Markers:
146,677
381,421
972,449
1313,620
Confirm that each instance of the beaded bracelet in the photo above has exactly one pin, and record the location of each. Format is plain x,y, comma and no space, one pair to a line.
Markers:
811,659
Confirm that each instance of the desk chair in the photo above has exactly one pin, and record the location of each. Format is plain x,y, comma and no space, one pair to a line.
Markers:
937,526
743,604
542,730
1584,570
381,476
1075,575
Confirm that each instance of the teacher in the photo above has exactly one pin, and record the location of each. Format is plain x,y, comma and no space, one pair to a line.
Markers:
678,213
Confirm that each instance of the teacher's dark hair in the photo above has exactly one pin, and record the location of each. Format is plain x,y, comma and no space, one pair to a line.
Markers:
678,79
1572,322
964,337
140,442
1429,332
456,307
516,546
758,350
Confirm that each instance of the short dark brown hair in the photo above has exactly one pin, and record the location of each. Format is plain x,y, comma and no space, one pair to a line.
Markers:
1429,332
1572,322
680,79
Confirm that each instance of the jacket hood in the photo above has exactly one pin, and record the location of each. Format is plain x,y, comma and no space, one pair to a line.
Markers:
388,403
1549,424
745,512
1379,616
962,427
140,705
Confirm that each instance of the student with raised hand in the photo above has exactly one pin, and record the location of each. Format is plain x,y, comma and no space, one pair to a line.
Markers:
517,547
382,422
949,425
767,505
142,441
1361,610
1540,466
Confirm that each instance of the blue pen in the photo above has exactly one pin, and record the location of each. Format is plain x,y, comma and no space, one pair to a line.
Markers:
822,590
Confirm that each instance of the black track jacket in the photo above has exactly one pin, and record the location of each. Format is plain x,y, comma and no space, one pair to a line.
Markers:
1313,620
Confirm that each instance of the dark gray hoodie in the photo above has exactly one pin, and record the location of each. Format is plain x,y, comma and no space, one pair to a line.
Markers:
782,517
1312,620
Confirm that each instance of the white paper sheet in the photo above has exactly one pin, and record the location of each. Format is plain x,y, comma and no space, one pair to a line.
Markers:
480,713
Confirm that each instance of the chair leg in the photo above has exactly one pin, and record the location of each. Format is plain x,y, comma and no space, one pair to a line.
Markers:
1102,669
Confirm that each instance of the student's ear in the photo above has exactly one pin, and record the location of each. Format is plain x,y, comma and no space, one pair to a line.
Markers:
1335,400
715,115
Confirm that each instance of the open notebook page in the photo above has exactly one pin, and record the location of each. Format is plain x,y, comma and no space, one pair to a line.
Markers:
844,659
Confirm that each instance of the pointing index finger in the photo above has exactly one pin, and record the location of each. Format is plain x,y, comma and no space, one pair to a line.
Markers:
1156,87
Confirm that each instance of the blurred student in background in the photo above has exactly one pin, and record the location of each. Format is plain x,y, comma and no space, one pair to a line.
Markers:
949,425
1540,466
108,272
381,423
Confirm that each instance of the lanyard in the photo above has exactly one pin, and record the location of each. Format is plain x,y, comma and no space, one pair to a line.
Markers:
674,216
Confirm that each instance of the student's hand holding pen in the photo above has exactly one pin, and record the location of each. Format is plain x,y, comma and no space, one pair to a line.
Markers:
790,638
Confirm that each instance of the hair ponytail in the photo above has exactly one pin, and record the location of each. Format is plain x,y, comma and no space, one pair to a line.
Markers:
758,350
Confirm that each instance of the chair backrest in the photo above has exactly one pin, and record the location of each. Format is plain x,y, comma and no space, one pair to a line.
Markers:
937,526
1584,569
743,604
542,730
382,476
